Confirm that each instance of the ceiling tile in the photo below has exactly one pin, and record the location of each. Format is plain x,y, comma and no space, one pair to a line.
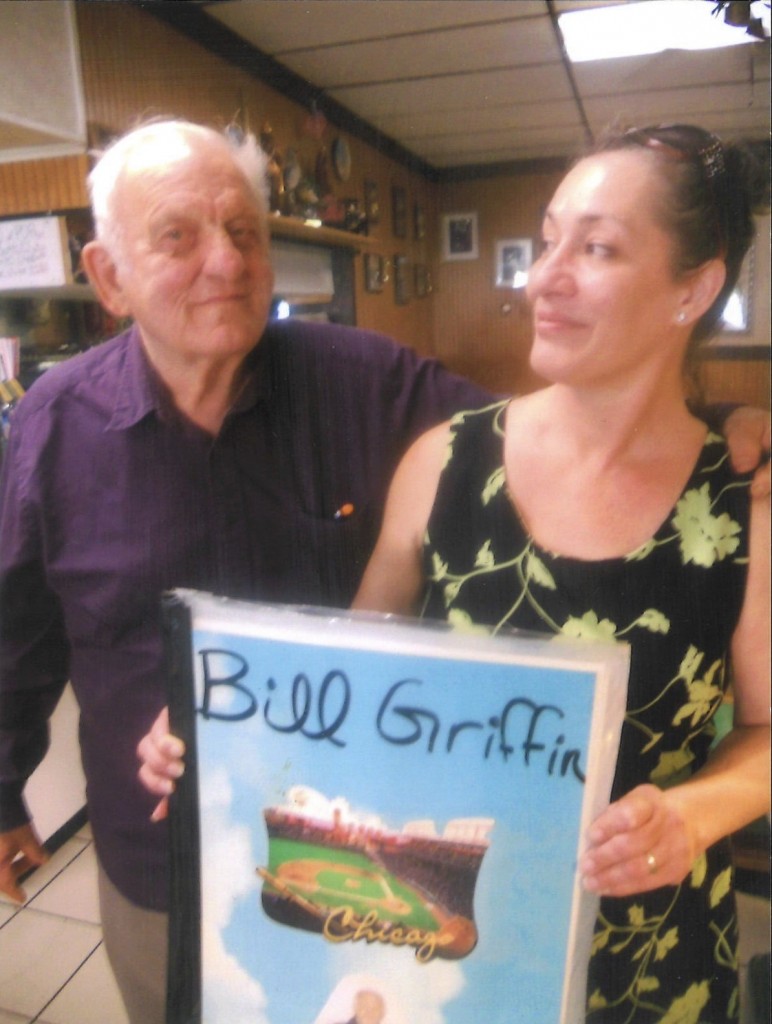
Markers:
446,51
418,125
547,82
276,26
537,141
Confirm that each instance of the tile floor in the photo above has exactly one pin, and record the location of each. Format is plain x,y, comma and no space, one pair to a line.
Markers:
53,968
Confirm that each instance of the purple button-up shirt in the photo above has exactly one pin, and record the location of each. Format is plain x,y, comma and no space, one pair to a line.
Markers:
109,497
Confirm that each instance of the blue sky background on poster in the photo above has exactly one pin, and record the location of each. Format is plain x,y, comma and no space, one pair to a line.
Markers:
256,766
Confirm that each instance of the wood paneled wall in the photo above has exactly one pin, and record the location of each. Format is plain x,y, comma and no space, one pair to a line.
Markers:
39,186
737,380
479,329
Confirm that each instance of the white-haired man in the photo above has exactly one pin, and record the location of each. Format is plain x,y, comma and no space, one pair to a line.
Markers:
203,447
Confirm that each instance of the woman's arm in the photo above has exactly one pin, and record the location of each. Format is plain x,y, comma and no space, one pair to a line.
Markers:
393,580
651,837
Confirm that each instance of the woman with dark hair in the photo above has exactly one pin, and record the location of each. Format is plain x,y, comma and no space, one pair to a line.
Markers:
601,507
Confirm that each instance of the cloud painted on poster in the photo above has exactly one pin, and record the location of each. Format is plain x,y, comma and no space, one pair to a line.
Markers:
231,994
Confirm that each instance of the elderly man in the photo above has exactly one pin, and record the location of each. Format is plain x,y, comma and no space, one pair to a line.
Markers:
182,453
201,449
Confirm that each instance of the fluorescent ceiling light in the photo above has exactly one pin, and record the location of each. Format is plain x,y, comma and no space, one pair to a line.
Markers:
651,26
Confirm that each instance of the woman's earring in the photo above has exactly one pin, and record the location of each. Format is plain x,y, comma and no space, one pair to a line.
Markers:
681,317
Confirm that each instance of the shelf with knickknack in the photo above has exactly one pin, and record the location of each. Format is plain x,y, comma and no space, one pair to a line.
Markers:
316,233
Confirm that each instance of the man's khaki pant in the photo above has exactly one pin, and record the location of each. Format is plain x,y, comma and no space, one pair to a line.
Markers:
136,945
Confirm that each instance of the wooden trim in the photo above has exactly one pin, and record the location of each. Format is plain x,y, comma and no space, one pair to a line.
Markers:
302,231
744,352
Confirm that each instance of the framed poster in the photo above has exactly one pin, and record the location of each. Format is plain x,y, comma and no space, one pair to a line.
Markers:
372,203
419,222
383,811
459,236
34,253
403,280
375,272
744,333
514,257
423,281
399,211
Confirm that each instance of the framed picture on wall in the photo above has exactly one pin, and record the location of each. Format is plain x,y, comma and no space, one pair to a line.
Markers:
419,222
459,236
403,280
423,283
375,272
514,257
737,312
742,335
372,203
399,211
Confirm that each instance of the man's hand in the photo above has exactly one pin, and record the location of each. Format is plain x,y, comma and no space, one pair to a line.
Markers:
20,851
161,755
748,436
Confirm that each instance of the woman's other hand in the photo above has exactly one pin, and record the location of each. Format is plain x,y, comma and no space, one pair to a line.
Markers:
638,843
162,764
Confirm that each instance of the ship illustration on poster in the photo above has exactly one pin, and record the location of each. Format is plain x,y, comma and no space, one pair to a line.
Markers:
352,879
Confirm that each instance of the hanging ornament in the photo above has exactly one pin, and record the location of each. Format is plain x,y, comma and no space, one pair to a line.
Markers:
315,124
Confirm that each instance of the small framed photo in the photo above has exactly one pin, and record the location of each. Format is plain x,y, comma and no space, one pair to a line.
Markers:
399,211
423,282
459,236
375,272
742,334
372,203
419,222
403,279
737,311
514,257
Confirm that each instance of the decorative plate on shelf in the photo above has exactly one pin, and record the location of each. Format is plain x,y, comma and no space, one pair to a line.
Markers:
341,159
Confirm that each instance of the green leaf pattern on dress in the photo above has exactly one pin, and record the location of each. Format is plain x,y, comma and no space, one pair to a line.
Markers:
703,539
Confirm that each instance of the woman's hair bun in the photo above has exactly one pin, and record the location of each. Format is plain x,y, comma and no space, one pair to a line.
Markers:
748,166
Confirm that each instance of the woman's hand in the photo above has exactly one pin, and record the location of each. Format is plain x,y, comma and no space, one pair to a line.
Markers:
161,755
747,433
638,843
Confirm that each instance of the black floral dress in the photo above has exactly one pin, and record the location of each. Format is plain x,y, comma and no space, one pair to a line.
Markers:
667,956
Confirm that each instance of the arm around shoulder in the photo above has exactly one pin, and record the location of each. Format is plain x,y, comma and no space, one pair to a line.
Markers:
747,432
